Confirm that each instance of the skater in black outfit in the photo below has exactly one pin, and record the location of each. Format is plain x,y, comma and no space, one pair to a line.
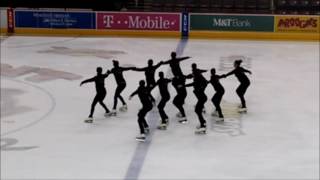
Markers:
174,63
165,96
239,72
199,83
217,97
101,92
149,72
178,83
146,100
117,71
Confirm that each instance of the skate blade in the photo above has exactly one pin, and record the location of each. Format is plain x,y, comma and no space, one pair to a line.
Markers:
200,132
140,140
162,128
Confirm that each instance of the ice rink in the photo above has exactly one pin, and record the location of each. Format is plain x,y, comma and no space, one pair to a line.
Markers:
43,108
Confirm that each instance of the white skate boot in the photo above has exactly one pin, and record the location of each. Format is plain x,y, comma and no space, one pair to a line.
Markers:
124,108
113,112
201,130
141,138
242,110
219,119
183,120
88,120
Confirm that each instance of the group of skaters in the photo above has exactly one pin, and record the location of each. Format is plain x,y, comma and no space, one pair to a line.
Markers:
178,82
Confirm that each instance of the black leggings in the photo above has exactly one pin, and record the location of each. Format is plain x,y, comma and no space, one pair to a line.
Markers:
202,98
241,90
99,98
117,95
161,106
216,100
178,101
141,117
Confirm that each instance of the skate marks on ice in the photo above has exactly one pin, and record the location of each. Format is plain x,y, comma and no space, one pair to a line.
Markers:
226,63
232,124
41,74
104,54
10,105
10,144
19,110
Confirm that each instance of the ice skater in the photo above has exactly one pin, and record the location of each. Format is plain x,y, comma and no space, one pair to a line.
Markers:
149,72
199,83
217,97
174,63
239,72
101,93
117,71
146,99
178,83
162,83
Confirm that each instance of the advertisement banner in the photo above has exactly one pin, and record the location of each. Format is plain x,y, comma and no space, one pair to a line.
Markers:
210,22
304,24
139,21
47,19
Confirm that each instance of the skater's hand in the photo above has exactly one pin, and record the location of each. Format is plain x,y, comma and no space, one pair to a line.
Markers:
130,97
81,83
223,76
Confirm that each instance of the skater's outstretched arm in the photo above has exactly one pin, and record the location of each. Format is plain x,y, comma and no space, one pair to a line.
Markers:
189,85
158,65
245,70
183,58
127,68
134,93
228,74
139,69
87,81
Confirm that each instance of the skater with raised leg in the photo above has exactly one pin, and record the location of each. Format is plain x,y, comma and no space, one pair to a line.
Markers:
217,97
199,83
117,71
145,97
239,72
165,97
101,93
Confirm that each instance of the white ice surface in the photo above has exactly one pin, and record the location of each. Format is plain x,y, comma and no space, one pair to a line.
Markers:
277,139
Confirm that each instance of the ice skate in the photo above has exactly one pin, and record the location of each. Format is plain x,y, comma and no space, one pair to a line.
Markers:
199,126
179,115
113,112
107,114
124,108
214,113
141,138
183,120
162,126
89,120
242,110
219,119
201,130
147,130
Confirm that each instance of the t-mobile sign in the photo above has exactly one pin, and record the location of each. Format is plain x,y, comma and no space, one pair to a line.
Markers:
139,21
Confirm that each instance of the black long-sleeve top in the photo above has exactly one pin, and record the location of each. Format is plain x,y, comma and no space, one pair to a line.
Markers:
163,86
99,82
149,72
214,80
239,72
175,65
118,73
144,95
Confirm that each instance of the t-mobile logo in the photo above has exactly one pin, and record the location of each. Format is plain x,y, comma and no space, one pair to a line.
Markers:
107,21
